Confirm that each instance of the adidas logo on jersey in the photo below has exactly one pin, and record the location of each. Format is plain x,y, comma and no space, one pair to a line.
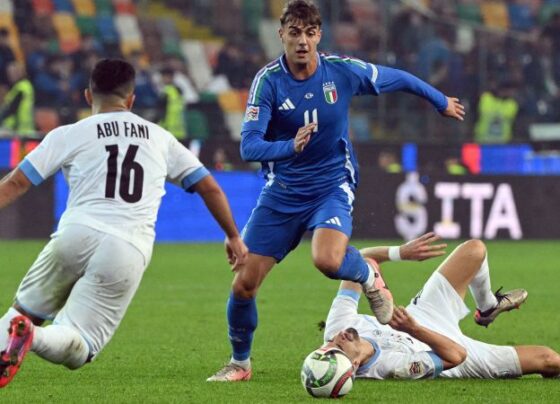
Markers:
334,220
287,105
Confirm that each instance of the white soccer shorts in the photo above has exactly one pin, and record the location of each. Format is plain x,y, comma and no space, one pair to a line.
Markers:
84,279
439,307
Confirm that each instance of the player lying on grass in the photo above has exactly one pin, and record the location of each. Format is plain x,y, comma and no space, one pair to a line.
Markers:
424,340
116,164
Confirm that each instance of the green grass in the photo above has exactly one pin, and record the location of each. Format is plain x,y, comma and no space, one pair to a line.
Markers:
174,334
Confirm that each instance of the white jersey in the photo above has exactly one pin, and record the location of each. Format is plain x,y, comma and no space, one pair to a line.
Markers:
116,165
437,307
397,354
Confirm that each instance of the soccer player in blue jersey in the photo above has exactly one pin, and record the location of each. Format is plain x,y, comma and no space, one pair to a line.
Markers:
296,125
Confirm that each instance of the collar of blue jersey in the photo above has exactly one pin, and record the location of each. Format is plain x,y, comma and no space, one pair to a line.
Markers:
365,367
285,67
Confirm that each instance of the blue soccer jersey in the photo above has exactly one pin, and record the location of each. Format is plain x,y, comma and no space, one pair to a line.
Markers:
279,105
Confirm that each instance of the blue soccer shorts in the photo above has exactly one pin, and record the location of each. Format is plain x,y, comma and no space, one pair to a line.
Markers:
273,230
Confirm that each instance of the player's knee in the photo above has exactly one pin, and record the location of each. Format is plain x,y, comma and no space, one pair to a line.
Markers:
550,361
245,288
476,249
327,264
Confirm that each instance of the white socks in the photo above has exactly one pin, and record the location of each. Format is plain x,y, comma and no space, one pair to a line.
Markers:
4,325
371,278
481,289
246,364
60,344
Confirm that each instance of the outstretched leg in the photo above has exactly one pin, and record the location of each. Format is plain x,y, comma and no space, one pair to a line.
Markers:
467,268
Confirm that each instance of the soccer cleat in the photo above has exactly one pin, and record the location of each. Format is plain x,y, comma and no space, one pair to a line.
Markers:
380,305
379,282
231,373
19,343
506,301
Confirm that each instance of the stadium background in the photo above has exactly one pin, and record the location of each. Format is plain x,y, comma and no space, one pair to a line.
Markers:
419,172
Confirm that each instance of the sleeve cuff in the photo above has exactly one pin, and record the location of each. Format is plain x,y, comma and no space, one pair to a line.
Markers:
438,363
352,294
30,172
193,178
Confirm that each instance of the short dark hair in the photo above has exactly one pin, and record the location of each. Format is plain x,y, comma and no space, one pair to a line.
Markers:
112,77
303,11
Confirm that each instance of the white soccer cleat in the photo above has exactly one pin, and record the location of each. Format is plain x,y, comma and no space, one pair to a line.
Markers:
379,303
506,301
231,373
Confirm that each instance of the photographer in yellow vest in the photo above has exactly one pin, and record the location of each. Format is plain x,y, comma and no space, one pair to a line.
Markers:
172,106
16,113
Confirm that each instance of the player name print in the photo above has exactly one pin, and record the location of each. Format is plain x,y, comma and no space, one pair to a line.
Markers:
118,128
329,89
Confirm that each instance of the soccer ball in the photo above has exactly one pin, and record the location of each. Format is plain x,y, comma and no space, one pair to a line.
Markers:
327,372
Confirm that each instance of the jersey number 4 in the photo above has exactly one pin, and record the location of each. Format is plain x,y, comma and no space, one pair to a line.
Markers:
129,168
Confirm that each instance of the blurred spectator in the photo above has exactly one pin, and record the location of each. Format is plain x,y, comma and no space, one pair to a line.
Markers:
388,162
453,166
58,84
16,114
145,89
6,56
497,110
552,31
239,64
172,106
181,79
220,161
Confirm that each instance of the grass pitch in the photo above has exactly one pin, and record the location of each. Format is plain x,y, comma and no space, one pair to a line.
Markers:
174,334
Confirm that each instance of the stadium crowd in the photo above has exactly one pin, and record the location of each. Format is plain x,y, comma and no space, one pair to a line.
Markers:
501,57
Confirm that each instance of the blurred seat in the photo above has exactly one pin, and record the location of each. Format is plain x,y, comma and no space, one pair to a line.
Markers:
197,64
43,7
469,12
495,14
86,25
520,17
104,7
234,121
63,6
67,31
268,33
6,7
84,7
230,101
106,29
124,7
46,119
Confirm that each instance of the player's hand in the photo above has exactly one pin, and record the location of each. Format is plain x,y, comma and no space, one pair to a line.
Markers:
303,136
454,109
422,248
402,321
237,252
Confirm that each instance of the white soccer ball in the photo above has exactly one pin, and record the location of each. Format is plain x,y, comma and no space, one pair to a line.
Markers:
327,372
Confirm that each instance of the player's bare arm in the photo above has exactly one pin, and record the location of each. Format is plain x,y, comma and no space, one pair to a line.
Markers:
451,353
454,109
303,136
12,186
419,249
216,202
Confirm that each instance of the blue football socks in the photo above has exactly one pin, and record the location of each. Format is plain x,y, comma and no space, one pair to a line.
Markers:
242,320
353,268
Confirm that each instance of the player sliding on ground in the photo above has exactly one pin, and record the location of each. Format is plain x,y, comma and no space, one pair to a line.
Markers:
296,125
424,340
116,164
